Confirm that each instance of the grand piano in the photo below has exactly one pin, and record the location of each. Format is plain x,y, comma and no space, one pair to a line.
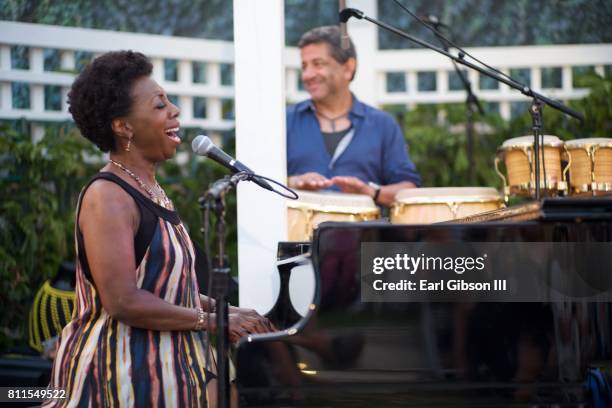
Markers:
335,350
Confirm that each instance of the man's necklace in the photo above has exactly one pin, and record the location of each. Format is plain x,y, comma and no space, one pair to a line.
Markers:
332,121
159,198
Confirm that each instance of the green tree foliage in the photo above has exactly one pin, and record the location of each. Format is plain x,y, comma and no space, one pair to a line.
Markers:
481,23
39,184
195,18
436,138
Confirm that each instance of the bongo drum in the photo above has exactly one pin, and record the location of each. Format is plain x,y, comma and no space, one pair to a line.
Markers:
313,208
590,167
429,205
518,156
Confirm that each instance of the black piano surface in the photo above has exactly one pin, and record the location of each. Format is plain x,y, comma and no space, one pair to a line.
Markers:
348,353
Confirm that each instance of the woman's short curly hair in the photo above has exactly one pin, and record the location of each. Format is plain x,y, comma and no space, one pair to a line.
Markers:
101,93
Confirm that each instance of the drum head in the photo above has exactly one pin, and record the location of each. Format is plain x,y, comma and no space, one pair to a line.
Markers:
327,201
588,142
446,194
527,141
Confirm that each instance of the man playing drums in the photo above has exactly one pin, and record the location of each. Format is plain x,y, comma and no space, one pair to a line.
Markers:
336,142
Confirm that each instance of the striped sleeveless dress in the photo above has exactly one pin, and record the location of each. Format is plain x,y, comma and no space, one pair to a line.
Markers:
102,362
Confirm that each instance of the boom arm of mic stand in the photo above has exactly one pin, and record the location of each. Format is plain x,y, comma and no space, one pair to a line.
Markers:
471,97
525,90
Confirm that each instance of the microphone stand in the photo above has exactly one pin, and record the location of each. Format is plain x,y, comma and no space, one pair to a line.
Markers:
537,98
471,103
215,199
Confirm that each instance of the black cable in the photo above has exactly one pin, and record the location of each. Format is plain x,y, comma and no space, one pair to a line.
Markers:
293,196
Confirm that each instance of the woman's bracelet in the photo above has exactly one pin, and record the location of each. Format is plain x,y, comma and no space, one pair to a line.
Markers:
201,319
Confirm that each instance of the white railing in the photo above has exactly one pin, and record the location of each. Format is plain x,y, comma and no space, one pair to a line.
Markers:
68,41
409,63
375,64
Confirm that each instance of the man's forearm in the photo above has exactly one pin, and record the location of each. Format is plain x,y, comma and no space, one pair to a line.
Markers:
388,192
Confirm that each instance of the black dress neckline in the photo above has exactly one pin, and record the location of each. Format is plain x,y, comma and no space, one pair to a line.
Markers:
161,211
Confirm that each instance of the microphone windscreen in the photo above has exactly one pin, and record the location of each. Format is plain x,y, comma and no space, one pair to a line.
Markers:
201,145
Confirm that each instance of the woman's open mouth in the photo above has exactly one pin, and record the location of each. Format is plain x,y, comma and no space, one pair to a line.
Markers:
173,134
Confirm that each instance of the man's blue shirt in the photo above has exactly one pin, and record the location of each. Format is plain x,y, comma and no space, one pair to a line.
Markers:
377,151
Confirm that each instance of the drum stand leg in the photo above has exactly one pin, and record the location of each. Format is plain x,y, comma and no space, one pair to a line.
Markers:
536,119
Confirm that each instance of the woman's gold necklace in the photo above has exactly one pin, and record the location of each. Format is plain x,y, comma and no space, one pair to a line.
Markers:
159,198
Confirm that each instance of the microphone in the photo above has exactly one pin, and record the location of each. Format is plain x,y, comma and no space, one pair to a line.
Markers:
347,13
433,21
203,146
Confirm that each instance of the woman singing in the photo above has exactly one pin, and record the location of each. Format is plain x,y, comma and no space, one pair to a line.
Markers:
137,333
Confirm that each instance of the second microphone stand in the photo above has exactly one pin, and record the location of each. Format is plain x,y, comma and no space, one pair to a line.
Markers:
472,104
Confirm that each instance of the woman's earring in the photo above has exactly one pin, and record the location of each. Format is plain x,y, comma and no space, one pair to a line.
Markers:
127,148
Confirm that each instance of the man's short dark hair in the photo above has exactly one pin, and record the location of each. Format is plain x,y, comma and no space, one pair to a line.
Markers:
331,36
101,93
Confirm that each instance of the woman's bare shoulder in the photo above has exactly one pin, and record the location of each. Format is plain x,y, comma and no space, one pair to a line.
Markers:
105,200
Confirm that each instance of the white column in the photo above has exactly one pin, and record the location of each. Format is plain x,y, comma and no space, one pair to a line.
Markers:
567,80
158,70
185,72
536,78
213,74
65,91
442,82
365,37
213,105
37,60
259,41
6,101
186,106
214,110
6,97
37,98
67,60
5,57
412,84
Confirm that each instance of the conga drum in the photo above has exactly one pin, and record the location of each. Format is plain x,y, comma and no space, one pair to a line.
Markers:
590,170
313,208
518,156
429,205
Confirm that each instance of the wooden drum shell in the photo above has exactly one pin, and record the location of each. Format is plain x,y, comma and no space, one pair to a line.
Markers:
313,208
431,205
591,166
518,157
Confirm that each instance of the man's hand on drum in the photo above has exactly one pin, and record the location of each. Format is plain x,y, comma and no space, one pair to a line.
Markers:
309,181
353,185
243,322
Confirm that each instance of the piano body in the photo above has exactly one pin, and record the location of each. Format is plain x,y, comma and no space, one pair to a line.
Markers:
339,351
